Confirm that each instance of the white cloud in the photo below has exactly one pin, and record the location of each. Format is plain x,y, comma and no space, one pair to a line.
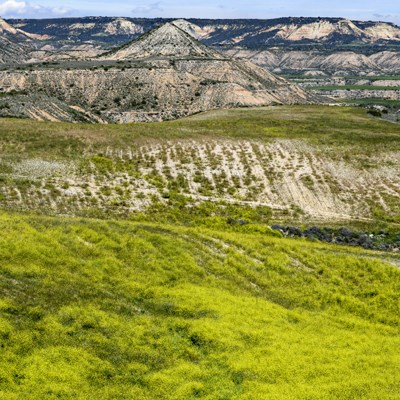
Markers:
147,9
12,7
15,8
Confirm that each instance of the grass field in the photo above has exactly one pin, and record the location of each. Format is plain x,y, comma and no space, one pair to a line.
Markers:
351,87
120,310
340,126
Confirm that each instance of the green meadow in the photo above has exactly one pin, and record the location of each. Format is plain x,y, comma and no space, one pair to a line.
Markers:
350,129
352,87
134,310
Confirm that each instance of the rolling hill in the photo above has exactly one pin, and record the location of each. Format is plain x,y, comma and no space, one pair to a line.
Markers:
104,309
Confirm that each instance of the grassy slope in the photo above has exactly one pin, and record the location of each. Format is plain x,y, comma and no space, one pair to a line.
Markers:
345,136
320,124
120,310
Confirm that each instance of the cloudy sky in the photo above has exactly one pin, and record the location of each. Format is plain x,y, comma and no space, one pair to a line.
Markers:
383,10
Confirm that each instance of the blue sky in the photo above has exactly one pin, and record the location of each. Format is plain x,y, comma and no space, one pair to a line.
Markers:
354,9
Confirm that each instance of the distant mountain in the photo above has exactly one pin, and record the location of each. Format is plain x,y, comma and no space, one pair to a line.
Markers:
283,45
246,33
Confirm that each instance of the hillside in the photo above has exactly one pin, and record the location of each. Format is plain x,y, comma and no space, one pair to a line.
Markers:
15,44
165,74
104,309
309,164
167,41
321,63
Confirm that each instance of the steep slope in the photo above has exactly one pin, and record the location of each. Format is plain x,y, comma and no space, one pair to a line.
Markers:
7,29
14,43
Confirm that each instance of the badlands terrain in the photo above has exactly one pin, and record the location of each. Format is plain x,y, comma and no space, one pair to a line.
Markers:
180,222
164,74
336,59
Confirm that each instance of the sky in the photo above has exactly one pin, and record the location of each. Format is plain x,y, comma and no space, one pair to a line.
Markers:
383,10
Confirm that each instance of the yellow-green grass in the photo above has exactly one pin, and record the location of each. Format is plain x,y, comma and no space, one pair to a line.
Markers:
120,310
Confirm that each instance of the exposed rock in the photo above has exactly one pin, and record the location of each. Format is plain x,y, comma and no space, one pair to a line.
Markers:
279,45
345,236
248,33
320,63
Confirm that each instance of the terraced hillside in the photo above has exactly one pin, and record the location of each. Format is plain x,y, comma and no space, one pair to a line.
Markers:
307,163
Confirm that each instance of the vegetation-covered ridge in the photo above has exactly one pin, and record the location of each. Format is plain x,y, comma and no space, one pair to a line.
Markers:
103,309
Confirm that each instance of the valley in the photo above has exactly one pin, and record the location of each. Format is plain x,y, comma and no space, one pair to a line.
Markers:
196,208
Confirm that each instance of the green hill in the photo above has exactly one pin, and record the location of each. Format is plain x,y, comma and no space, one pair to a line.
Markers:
137,262
121,310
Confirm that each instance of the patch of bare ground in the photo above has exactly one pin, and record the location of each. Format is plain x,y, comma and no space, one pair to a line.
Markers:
291,177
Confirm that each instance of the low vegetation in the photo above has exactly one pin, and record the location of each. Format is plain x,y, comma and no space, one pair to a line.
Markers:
179,289
104,309
304,163
352,87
